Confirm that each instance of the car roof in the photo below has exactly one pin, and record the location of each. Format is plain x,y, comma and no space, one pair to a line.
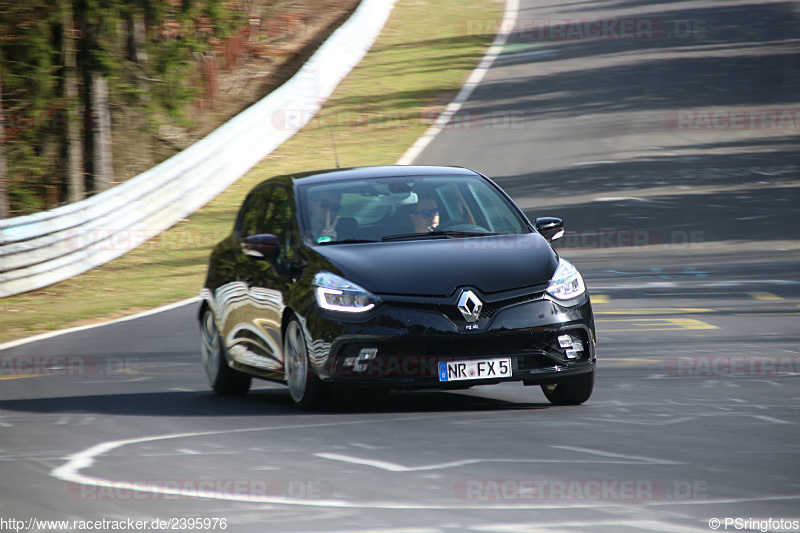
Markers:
387,171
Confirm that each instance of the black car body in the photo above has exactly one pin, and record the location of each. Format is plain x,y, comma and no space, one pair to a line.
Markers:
329,279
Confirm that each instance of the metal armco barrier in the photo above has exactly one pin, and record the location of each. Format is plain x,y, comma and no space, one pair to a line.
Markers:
44,248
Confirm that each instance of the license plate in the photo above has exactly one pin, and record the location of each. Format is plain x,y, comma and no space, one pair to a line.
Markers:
475,369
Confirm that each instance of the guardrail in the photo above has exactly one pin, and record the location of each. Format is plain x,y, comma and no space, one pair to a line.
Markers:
44,248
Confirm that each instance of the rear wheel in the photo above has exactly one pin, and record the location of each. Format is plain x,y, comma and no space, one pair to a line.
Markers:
223,379
571,391
305,388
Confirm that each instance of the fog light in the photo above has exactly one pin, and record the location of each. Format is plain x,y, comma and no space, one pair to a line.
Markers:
367,354
573,353
573,346
349,361
565,341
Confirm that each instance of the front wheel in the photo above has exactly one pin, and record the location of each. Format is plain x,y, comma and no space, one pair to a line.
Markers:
571,391
224,380
305,388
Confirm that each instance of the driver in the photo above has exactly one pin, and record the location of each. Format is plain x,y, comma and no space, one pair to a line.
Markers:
426,217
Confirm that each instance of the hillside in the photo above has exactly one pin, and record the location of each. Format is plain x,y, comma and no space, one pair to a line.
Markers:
93,93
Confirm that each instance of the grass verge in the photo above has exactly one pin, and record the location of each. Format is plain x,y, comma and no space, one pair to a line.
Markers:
414,69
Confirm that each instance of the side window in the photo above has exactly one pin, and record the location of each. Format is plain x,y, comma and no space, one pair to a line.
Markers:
278,212
252,214
278,219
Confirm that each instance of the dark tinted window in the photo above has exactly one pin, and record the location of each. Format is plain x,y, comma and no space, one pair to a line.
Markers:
279,220
277,217
251,216
376,209
270,210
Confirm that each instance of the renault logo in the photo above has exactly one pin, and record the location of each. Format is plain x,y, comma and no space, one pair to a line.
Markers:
470,306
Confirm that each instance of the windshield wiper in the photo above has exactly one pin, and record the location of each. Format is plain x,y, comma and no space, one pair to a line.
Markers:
436,234
346,241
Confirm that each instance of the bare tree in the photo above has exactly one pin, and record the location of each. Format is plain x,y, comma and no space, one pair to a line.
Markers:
135,38
102,149
94,63
5,205
73,144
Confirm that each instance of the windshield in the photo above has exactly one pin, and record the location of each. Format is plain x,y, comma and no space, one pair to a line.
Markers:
401,208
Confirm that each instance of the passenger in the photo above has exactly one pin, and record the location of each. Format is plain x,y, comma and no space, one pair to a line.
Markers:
325,215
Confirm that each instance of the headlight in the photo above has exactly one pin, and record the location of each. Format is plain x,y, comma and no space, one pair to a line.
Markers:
337,294
567,282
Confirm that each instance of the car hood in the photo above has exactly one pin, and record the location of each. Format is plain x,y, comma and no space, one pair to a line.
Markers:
437,267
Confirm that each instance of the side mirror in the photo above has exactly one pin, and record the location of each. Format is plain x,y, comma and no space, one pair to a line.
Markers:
263,246
551,228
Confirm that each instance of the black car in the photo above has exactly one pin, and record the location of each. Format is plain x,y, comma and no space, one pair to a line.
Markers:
395,277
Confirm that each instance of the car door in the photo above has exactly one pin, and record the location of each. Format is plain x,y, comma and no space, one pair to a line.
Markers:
251,303
259,330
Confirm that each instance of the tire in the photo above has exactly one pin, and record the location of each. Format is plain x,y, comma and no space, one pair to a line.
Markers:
305,388
572,391
224,380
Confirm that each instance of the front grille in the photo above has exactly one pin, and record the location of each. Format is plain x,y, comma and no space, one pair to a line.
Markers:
469,346
451,310
533,341
490,309
417,357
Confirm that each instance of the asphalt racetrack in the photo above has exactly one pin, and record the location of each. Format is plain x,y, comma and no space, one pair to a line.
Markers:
665,134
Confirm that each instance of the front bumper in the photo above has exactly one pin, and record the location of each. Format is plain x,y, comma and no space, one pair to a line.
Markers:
401,343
